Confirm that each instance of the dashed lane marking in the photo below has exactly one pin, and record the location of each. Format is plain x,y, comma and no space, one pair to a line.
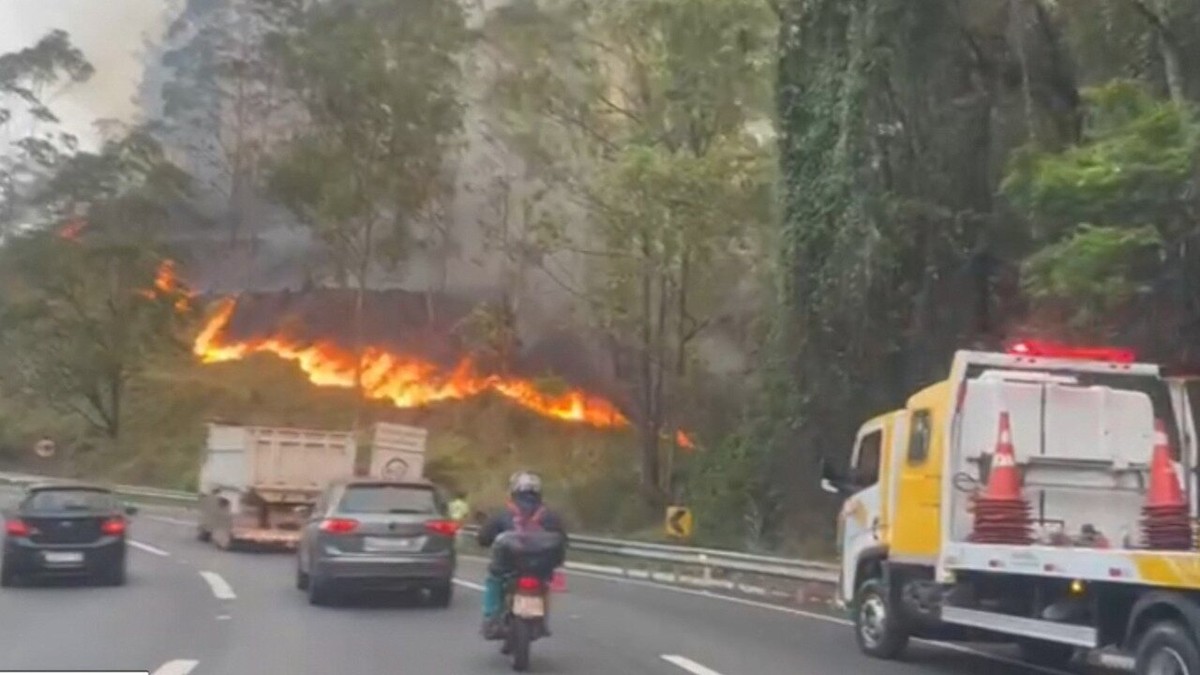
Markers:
689,665
220,588
177,667
149,549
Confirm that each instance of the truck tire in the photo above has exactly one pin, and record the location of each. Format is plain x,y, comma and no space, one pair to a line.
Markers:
203,534
1047,654
1167,648
879,632
302,580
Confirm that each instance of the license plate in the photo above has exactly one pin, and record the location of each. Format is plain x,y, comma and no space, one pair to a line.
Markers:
63,557
382,545
529,606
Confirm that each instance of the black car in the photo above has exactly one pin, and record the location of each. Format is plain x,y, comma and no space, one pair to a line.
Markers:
66,529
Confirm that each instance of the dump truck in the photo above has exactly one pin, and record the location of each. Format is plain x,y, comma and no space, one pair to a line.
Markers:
398,451
258,484
1043,496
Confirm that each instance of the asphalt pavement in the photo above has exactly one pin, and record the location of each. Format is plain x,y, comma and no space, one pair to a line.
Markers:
190,609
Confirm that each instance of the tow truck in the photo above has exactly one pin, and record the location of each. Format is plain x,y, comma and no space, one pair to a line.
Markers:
1044,496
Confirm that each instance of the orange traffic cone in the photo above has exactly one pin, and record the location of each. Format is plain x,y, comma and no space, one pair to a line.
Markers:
1165,521
1001,513
558,582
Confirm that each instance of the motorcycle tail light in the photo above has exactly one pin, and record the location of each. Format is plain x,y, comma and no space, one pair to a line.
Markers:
529,584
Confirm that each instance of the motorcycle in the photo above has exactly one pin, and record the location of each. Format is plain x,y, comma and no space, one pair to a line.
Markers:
525,613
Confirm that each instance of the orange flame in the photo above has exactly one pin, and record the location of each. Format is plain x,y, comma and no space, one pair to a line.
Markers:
166,283
406,382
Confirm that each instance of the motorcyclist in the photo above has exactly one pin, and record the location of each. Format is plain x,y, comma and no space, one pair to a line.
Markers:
524,512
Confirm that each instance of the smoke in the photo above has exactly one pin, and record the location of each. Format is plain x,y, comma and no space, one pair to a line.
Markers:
112,34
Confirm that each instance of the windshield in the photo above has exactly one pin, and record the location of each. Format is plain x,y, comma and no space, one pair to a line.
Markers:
70,499
390,499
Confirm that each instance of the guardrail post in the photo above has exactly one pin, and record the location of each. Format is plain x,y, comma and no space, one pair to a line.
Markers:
707,573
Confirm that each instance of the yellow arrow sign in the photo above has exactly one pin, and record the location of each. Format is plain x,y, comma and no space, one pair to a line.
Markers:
679,522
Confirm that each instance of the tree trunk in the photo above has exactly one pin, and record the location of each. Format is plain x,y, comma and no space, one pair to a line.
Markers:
364,268
650,422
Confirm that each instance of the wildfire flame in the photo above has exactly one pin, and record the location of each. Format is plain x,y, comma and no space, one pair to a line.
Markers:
406,382
167,284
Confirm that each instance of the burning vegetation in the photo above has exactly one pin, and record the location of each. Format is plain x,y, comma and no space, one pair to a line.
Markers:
404,381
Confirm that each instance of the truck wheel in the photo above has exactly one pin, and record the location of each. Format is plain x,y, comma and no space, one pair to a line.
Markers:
203,534
1047,654
1166,648
878,630
302,580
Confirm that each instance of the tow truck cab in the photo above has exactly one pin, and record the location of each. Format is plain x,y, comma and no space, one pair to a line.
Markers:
1083,432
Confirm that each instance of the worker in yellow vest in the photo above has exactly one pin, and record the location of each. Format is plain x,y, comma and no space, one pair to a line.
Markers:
459,508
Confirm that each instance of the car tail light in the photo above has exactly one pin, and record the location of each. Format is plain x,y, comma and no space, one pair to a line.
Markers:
113,527
17,528
339,525
447,528
529,584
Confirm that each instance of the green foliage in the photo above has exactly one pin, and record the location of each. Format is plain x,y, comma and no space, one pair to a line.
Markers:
1095,271
25,75
639,115
79,318
1132,180
1135,164
379,84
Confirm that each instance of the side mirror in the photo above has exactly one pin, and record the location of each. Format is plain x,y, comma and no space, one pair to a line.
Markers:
131,510
302,510
832,481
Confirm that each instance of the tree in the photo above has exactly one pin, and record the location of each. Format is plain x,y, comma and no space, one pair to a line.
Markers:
223,103
379,84
636,118
33,146
79,317
1115,223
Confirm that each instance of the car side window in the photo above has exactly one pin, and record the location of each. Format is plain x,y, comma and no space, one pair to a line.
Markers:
918,437
866,466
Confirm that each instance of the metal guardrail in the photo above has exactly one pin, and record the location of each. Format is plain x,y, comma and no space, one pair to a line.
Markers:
708,560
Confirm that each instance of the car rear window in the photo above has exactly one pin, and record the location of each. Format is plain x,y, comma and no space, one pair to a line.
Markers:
70,499
389,499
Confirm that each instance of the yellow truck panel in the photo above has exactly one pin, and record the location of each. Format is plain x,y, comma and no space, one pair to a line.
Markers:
916,536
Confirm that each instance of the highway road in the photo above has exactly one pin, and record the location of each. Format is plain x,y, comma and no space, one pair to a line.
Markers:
190,609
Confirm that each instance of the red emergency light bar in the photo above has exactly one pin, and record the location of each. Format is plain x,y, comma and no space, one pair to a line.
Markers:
1059,351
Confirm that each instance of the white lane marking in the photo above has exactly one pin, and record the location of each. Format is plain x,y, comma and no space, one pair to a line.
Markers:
177,667
689,665
950,646
219,586
149,549
468,584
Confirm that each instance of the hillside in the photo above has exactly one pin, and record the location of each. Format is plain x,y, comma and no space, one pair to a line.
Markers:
474,444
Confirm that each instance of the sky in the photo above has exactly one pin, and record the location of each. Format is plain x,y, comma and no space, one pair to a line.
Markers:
112,33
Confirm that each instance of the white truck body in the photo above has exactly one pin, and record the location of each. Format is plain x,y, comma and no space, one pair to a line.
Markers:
254,478
398,451
275,458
